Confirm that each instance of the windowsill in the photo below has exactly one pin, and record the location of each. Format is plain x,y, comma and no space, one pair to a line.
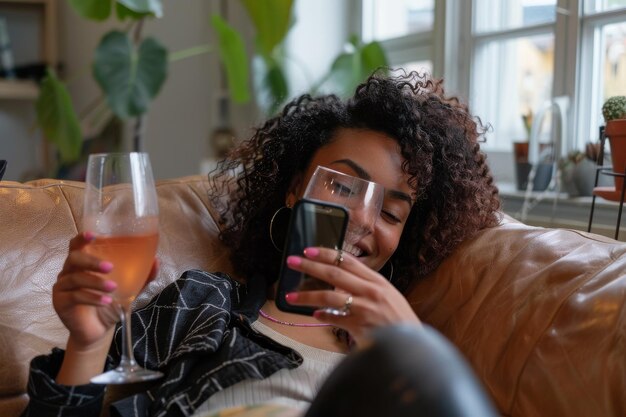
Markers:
552,210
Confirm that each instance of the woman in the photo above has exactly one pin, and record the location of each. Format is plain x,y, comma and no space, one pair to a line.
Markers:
222,342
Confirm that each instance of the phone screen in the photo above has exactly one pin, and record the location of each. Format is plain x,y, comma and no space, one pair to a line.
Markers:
313,223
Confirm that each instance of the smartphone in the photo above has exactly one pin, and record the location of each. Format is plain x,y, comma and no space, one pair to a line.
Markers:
312,223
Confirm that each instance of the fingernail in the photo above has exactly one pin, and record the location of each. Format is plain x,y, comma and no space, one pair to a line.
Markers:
318,313
294,260
105,266
89,236
292,296
110,285
311,252
106,300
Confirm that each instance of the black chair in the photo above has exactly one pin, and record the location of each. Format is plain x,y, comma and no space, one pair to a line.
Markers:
601,169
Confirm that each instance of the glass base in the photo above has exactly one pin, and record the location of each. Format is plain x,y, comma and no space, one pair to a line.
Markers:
126,375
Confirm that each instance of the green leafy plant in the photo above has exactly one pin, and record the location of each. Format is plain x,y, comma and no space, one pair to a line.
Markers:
131,69
614,108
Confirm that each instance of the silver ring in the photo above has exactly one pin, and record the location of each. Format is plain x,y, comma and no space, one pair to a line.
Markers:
339,258
340,312
347,305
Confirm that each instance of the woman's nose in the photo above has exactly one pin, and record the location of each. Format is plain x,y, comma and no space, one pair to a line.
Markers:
361,222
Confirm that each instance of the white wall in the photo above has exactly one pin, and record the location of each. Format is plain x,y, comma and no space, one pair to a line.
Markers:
320,32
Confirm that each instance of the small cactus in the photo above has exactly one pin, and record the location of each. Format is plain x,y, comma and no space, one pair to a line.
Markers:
614,108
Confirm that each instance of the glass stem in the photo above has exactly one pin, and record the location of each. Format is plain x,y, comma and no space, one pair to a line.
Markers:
127,360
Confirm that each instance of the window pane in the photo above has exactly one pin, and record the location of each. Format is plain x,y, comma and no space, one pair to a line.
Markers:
421,67
594,6
494,15
614,65
394,18
510,79
609,73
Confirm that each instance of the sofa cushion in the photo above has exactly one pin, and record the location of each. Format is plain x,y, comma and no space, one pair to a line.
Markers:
39,218
541,316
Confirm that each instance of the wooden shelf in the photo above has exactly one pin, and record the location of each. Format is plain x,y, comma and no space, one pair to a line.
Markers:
18,90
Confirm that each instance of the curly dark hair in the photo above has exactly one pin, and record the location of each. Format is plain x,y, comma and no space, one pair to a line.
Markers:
438,138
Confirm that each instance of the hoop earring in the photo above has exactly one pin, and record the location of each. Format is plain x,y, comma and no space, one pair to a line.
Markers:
387,274
278,227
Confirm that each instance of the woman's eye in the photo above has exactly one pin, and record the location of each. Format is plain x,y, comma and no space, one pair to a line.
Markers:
390,217
341,189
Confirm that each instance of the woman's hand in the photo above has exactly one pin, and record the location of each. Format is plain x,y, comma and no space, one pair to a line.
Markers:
83,296
375,301
83,299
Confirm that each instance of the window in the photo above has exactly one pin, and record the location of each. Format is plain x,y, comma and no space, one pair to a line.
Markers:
602,63
407,31
513,64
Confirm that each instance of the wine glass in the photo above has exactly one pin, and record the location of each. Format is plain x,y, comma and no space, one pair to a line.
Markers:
362,199
121,209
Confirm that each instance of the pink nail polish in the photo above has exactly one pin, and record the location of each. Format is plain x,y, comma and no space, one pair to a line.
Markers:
311,252
105,266
294,260
89,236
106,300
110,285
292,296
318,313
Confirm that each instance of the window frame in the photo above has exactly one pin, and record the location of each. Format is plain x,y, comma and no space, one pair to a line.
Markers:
419,46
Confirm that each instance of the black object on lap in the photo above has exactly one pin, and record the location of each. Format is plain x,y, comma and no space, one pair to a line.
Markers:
406,372
3,167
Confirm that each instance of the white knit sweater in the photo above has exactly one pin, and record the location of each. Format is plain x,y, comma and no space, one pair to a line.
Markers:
294,388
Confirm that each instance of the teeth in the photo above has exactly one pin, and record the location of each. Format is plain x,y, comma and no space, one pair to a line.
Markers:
352,249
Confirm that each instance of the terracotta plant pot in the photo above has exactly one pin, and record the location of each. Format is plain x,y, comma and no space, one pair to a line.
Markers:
616,132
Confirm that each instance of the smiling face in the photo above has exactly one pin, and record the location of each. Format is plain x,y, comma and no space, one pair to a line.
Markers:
376,157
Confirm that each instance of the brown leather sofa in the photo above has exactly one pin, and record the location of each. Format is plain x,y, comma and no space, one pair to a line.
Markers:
539,313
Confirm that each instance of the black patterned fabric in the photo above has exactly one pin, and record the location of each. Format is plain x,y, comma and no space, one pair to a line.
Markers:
196,331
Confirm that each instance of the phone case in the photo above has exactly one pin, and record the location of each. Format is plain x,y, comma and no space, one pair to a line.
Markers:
297,240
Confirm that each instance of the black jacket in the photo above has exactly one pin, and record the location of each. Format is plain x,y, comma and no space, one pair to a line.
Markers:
196,331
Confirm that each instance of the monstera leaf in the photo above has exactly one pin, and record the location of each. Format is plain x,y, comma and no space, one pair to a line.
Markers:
130,77
56,117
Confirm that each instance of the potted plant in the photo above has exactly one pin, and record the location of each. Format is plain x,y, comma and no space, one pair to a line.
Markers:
131,68
614,112
578,171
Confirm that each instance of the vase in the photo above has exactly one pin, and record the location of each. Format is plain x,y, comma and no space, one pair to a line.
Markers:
543,174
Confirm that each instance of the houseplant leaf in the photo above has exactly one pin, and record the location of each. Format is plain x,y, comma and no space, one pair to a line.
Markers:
92,9
124,13
276,84
352,68
147,7
270,84
233,55
372,57
57,119
271,18
129,77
